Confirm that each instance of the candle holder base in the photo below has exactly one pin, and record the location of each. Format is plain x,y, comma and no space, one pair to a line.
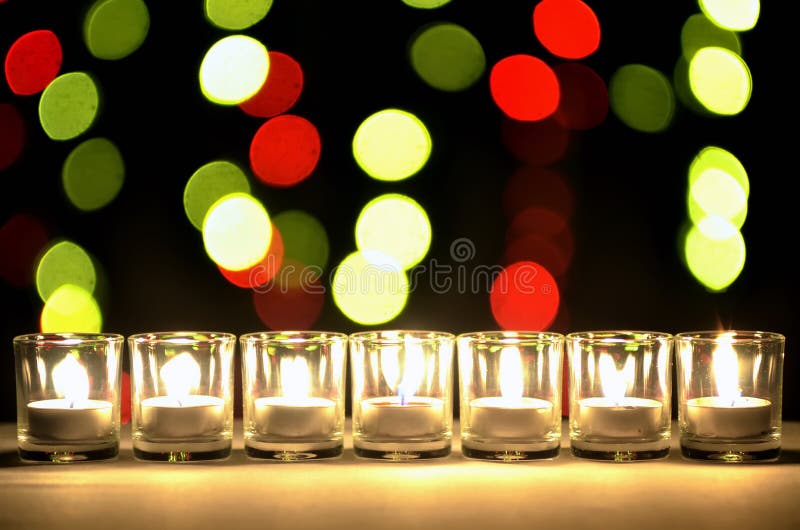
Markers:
181,451
508,453
732,452
293,451
64,454
402,451
620,451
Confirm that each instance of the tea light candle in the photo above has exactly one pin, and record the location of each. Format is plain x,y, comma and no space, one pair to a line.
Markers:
396,416
65,420
295,417
719,417
498,417
186,417
623,417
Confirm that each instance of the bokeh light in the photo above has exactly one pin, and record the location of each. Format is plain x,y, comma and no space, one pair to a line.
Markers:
262,272
64,263
233,69
426,4
93,174
210,183
736,15
524,87
69,105
699,32
33,61
642,98
584,97
524,296
567,28
12,135
285,150
716,193
71,308
715,253
293,300
540,234
713,157
537,186
538,143
683,92
720,80
397,226
370,287
447,57
280,91
391,145
22,237
237,15
114,29
537,248
237,231
305,239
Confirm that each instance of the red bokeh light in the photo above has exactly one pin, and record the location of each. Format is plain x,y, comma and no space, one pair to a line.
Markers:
567,28
293,300
539,143
33,61
280,91
12,135
524,87
584,97
524,297
537,186
262,272
539,249
22,237
125,399
285,150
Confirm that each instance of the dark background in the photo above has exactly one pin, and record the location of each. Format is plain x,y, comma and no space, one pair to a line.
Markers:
629,187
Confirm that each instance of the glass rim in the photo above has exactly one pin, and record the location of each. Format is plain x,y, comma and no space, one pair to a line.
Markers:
737,336
611,336
511,337
68,338
182,337
384,336
283,337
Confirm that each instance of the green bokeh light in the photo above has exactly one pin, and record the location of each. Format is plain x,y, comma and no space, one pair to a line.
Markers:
93,174
71,309
237,231
426,4
68,106
391,145
715,253
238,14
209,184
699,32
447,57
716,193
370,287
64,263
304,238
720,80
233,69
642,98
397,226
736,15
114,29
713,157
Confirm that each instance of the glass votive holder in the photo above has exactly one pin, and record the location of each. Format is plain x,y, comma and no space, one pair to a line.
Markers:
182,395
402,394
620,394
730,386
68,388
510,394
293,394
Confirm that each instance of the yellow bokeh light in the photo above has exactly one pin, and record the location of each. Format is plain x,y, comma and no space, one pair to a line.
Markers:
233,69
736,15
71,308
716,193
64,263
712,157
370,287
715,253
396,226
391,145
237,231
720,80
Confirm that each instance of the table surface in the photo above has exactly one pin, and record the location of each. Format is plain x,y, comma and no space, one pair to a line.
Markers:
452,492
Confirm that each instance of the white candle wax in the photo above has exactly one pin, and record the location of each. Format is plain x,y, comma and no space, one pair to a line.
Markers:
310,417
65,420
498,417
718,417
626,417
187,417
392,417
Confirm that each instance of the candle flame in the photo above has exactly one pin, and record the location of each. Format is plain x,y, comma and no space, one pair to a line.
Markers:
726,368
413,372
615,382
181,375
295,379
71,380
511,373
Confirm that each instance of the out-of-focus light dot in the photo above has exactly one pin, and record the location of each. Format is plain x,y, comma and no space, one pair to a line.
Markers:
584,97
720,80
542,221
93,174
683,92
397,226
567,28
370,287
292,300
263,271
699,32
391,145
12,135
426,4
209,184
233,69
64,263
280,91
716,193
537,186
237,15
713,157
715,253
32,62
69,105
539,143
736,15
237,232
305,239
71,308
524,296
22,237
114,29
539,249
447,57
285,150
642,98
524,87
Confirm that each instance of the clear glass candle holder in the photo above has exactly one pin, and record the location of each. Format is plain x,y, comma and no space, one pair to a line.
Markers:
620,394
730,386
293,394
402,394
182,395
510,391
68,388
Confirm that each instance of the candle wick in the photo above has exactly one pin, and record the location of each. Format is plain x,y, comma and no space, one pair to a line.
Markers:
179,402
72,404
